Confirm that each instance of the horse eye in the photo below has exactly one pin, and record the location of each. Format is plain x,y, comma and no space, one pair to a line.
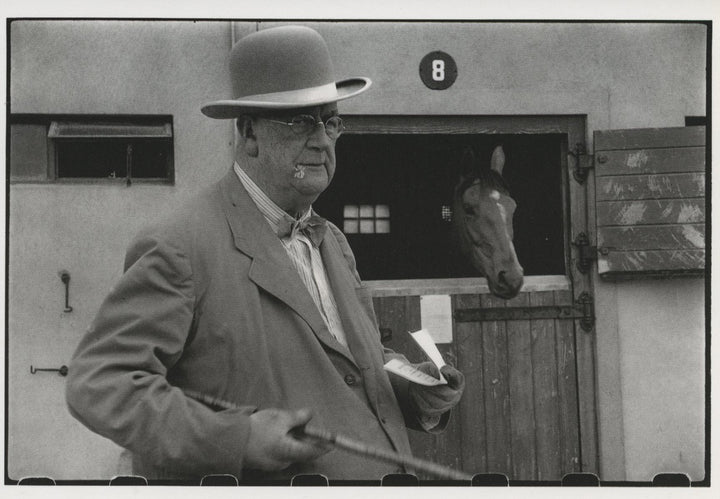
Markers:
468,209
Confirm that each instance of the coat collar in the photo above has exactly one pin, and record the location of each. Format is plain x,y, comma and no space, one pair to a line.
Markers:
271,268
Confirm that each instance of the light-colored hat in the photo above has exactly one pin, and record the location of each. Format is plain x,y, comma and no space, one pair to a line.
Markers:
282,68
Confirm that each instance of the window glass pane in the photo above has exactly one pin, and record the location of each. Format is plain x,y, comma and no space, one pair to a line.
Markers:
91,159
367,211
367,226
350,211
382,211
350,227
150,159
382,226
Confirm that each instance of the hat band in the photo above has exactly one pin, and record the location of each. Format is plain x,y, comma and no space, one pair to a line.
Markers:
312,94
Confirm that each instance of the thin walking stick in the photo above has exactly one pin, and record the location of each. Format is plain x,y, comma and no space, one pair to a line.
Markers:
353,446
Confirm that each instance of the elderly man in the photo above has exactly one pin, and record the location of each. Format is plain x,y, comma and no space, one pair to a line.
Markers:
242,317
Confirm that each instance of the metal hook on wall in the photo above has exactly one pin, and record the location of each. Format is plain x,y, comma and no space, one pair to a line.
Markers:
62,370
65,278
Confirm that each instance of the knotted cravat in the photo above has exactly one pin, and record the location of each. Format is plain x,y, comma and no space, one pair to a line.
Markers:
313,228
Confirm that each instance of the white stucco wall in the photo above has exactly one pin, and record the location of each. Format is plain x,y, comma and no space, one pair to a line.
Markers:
662,368
650,369
94,67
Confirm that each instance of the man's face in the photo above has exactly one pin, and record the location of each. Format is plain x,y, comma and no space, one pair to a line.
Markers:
295,167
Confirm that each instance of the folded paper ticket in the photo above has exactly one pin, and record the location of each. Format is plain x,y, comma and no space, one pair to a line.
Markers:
423,339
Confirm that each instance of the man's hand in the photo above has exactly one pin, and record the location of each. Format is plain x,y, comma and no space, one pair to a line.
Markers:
433,401
271,447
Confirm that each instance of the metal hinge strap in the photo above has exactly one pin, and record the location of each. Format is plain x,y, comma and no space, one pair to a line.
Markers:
583,310
583,162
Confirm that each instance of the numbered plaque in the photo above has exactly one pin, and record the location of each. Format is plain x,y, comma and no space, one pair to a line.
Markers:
438,70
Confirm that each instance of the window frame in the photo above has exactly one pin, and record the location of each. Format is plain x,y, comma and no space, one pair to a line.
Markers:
96,121
572,126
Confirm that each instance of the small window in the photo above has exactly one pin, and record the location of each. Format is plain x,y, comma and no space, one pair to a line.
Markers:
366,219
114,149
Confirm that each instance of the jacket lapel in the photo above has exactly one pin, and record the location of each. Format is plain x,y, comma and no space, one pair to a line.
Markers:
359,328
271,268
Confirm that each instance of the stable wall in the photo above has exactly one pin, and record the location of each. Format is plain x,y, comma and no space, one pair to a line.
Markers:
650,411
620,76
95,68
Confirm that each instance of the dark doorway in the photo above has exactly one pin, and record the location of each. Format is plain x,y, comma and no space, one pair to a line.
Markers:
412,177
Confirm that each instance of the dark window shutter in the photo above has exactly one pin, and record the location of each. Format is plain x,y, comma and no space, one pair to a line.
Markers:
650,201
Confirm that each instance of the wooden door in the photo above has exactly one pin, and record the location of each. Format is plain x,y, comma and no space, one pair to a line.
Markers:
519,415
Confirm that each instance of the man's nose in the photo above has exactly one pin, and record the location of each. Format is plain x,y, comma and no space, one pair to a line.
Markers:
318,136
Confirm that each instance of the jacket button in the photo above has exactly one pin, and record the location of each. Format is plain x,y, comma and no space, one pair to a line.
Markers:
350,380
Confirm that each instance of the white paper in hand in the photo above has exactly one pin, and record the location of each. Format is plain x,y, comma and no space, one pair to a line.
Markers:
423,339
408,372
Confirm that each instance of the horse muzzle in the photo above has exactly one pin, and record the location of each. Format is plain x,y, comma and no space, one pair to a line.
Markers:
507,283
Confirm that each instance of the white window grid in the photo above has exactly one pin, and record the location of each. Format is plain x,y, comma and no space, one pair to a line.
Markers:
366,219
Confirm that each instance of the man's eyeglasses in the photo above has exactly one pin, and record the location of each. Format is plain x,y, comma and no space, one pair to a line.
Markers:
303,124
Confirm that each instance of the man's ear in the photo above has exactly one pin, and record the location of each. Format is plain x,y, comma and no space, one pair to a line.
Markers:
248,140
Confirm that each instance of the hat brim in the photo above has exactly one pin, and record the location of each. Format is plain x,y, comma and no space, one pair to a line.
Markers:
232,108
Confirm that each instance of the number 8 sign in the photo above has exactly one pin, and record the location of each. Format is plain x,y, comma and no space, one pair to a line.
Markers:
438,70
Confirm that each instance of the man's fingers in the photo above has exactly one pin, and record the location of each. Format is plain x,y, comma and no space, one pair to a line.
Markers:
299,417
305,449
454,377
428,368
274,442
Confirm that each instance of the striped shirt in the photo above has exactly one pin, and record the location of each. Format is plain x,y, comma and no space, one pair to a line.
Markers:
303,254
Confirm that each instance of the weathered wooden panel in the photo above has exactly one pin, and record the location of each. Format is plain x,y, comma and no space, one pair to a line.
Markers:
650,202
545,391
471,410
401,314
671,185
567,390
650,211
652,261
497,395
639,161
444,448
582,220
639,138
664,237
522,414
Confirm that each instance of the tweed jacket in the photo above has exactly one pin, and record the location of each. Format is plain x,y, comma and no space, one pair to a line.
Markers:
210,303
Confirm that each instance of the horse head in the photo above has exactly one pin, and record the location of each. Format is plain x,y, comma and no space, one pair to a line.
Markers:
484,223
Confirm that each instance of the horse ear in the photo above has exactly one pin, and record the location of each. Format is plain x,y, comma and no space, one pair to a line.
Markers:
467,162
497,161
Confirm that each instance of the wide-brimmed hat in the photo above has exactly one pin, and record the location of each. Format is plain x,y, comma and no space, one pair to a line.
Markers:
282,68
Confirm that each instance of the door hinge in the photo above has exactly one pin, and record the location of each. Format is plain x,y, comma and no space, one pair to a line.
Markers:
583,309
586,305
583,162
586,253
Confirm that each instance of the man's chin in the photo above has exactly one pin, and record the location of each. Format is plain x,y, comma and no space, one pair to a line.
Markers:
311,188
